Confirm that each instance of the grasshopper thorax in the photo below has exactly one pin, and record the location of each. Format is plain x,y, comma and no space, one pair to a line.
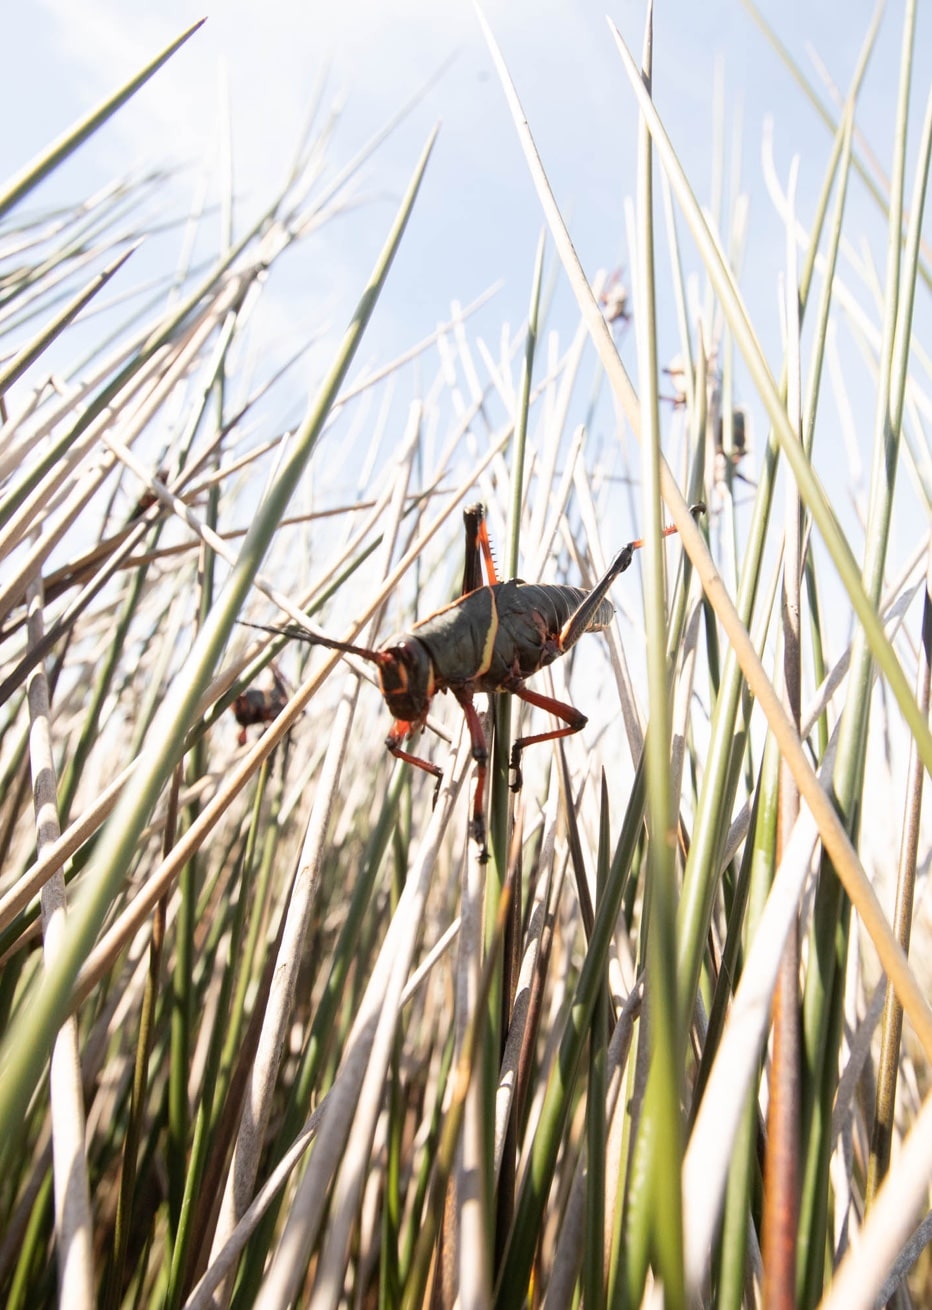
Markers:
406,678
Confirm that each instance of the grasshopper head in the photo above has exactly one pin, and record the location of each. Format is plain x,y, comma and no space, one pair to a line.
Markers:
406,677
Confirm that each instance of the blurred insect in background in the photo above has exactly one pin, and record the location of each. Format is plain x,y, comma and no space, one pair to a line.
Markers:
258,705
613,300
725,466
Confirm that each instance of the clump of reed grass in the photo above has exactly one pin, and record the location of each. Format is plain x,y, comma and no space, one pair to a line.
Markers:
272,1034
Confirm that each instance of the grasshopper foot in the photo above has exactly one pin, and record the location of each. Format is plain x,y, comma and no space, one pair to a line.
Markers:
433,804
518,781
477,832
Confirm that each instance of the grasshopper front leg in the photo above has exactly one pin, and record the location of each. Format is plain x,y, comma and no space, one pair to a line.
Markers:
480,753
393,742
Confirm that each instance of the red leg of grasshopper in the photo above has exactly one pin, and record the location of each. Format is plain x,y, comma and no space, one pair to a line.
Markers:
578,623
572,630
480,753
401,729
571,716
486,547
399,732
478,548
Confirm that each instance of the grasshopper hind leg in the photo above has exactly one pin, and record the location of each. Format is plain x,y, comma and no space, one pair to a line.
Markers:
478,548
574,719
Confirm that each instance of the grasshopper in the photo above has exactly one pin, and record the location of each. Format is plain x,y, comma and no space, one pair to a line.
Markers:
259,705
491,639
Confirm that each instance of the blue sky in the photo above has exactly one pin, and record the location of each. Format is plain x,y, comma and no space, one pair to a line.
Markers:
477,220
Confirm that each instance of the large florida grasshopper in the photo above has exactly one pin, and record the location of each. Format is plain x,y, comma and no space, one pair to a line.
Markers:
491,639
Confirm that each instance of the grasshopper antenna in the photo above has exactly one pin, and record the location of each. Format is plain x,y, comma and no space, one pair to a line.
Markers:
294,633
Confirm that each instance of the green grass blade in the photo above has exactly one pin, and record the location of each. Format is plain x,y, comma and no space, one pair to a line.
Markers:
661,1128
59,150
26,357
